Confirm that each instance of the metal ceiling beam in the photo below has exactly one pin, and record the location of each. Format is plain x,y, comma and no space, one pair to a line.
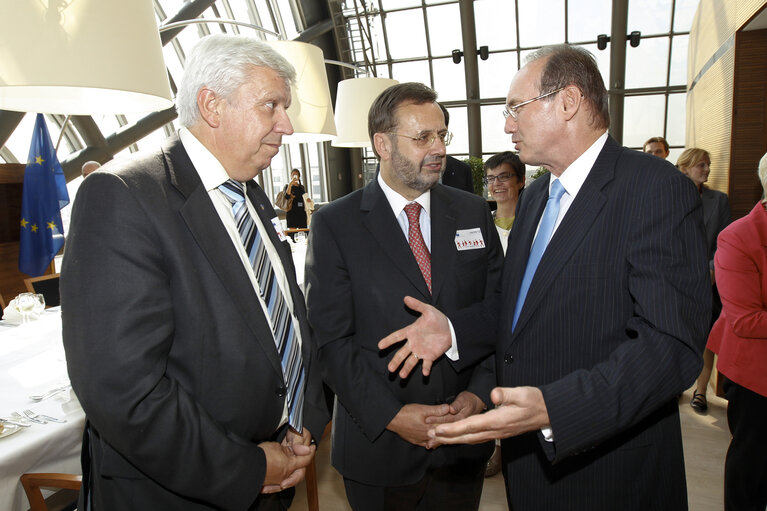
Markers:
617,86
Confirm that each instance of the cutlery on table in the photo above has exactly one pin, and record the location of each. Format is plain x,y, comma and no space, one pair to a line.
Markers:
50,393
39,416
15,423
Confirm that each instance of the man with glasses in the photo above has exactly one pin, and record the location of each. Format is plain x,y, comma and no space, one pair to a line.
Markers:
600,322
403,234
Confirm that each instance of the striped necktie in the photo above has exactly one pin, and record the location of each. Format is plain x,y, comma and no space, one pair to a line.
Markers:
285,337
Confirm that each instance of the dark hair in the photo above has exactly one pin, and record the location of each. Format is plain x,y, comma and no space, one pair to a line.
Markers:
382,114
660,140
511,159
573,65
445,113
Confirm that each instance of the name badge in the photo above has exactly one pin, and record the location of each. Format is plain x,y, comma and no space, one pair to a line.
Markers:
469,239
278,227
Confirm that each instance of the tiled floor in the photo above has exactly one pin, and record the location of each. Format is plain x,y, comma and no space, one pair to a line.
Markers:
706,438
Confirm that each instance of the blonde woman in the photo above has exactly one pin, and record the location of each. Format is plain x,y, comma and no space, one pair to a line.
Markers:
695,163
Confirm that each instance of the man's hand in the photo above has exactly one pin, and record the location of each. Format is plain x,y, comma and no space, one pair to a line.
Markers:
518,410
465,405
286,462
410,423
428,338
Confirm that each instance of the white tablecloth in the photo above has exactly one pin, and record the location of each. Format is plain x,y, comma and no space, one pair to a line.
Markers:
32,362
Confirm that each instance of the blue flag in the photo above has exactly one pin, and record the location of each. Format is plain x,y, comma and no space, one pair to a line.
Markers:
44,194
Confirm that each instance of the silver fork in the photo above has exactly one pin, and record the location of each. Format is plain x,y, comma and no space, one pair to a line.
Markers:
33,418
39,416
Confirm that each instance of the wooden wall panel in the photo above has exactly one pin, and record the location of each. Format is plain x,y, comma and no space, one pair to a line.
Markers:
749,120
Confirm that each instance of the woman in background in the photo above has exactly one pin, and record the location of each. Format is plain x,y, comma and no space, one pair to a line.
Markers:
696,164
296,217
739,336
505,179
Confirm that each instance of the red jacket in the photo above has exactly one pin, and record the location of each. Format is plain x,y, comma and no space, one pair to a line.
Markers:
739,336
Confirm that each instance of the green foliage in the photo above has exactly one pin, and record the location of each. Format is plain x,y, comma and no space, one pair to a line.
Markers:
538,173
477,174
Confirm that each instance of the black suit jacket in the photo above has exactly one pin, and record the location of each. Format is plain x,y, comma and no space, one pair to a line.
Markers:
611,331
167,348
458,175
359,267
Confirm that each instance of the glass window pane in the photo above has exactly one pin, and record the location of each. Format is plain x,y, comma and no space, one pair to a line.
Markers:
603,61
382,71
449,79
541,22
679,60
291,24
411,23
683,15
444,24
649,16
642,119
21,138
495,25
677,114
266,18
459,126
388,5
585,22
495,74
494,140
416,71
647,64
279,170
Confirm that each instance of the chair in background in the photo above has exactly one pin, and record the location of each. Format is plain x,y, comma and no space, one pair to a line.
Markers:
46,285
2,302
63,500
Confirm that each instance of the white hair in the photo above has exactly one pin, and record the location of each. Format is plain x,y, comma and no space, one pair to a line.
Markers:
221,63
763,173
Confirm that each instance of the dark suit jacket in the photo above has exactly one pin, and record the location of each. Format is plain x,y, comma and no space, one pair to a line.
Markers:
611,331
359,267
458,175
716,216
167,348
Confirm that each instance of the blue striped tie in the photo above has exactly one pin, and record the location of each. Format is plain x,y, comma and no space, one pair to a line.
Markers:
545,230
279,313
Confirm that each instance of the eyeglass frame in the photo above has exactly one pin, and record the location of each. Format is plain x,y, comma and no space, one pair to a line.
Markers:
428,142
491,179
511,111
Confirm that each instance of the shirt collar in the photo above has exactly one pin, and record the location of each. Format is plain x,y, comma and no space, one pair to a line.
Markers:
575,175
211,172
398,202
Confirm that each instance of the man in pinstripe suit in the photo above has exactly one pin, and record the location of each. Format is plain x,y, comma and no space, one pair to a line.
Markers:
611,327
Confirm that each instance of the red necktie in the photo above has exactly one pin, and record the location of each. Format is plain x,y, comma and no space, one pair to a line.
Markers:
417,245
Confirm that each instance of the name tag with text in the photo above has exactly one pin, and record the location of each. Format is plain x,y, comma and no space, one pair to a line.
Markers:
469,239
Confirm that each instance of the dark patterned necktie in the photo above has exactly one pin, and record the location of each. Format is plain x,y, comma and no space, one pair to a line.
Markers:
417,245
285,337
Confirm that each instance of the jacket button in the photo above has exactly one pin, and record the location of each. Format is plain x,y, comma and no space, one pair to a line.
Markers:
281,391
508,358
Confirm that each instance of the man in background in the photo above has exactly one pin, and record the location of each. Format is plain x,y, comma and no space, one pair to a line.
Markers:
184,328
457,173
404,233
657,146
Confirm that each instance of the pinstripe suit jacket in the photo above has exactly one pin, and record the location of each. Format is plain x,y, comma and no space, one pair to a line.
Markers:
611,331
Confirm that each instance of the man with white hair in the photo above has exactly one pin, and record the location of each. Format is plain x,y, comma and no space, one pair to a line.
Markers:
189,349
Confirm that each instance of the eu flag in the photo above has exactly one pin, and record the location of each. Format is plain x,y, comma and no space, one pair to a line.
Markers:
44,194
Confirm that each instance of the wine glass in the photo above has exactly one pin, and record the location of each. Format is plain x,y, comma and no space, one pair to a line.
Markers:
39,303
25,305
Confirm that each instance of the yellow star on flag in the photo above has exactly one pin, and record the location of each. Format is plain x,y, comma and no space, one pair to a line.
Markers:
39,160
51,225
34,227
24,222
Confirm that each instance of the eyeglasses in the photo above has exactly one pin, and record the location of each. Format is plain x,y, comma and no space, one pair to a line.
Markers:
502,178
427,139
511,111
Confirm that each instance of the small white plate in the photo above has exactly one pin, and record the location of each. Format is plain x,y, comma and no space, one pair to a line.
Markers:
9,429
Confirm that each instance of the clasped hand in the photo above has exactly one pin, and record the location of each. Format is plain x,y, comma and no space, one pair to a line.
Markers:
286,461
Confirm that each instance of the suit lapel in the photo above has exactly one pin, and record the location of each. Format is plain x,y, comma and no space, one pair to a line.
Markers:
203,222
379,219
575,225
443,228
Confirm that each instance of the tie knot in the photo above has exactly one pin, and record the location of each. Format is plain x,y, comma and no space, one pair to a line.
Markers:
413,210
233,190
557,190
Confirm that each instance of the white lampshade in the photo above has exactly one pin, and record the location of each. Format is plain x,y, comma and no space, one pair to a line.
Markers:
311,110
81,57
355,96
